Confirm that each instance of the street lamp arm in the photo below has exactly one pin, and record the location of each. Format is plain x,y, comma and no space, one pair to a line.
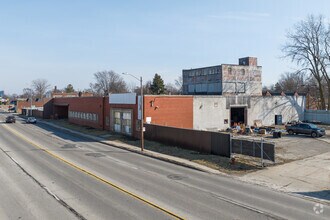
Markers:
131,76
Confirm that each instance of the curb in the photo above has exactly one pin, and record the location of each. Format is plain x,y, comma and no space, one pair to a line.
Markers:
166,158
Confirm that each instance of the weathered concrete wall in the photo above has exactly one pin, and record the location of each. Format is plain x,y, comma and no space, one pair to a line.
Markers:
241,79
210,113
265,108
318,115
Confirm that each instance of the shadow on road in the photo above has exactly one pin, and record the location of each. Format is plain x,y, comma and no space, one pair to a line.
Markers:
324,194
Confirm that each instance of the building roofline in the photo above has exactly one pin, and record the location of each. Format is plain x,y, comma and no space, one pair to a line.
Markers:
203,67
217,66
170,96
237,65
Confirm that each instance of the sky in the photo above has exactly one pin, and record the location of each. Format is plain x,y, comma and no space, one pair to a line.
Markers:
67,41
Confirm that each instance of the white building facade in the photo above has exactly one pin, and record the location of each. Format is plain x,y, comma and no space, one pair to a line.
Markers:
219,112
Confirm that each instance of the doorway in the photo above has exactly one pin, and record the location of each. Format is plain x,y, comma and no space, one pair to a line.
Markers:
238,115
121,120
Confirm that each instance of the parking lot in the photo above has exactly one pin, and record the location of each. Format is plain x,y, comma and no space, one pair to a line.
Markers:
303,166
297,147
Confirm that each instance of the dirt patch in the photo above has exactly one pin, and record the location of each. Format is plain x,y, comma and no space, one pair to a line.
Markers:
242,164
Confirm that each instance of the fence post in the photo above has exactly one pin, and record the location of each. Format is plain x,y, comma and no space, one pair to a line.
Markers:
262,152
230,145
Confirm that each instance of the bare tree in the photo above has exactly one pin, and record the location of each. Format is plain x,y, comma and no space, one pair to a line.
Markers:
271,87
108,82
291,82
171,89
131,87
13,96
179,83
305,47
326,63
40,87
28,93
146,88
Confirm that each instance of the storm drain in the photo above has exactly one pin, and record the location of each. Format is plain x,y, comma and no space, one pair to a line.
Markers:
95,155
176,176
68,146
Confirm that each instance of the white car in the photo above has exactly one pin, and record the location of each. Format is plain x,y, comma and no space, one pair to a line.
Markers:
31,120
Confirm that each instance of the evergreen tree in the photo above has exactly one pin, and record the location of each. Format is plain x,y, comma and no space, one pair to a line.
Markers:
69,89
157,87
278,87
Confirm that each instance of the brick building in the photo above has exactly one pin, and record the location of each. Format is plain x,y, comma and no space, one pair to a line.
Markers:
96,112
173,111
24,106
86,111
224,79
71,94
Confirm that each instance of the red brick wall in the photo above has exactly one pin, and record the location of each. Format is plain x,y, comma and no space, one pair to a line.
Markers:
27,104
174,111
85,105
97,105
106,113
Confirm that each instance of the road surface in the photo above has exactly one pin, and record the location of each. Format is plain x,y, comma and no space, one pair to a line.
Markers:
50,174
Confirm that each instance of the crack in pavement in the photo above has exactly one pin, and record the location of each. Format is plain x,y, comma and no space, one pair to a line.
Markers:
59,200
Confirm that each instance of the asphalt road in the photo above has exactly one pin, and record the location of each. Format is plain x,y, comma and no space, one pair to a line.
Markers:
51,171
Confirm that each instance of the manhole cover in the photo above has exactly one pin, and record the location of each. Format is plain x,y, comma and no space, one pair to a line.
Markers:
66,146
176,177
95,155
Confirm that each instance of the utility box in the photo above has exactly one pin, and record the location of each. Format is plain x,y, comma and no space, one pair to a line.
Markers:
277,134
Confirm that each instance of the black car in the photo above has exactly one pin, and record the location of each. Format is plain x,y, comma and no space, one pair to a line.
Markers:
306,128
10,119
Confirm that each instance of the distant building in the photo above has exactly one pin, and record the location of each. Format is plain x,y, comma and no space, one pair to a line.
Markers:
71,94
2,93
55,93
224,79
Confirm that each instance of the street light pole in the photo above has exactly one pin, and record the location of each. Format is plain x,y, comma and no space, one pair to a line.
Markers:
141,106
30,106
142,135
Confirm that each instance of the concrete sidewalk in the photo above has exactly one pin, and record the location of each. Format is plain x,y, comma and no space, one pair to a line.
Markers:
307,177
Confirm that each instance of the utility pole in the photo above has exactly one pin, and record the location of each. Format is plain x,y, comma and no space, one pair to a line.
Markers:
141,107
142,135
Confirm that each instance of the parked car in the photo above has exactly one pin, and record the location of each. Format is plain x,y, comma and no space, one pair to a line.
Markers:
10,119
306,128
31,120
